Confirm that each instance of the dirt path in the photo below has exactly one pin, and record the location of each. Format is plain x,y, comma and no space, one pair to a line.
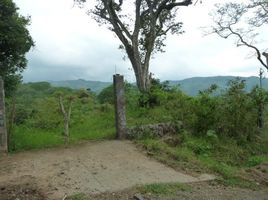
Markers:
87,168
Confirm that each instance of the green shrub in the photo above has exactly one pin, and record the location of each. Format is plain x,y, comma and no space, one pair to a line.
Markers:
238,113
156,96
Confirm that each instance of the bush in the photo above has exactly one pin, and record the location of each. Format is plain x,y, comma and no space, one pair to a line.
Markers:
157,95
181,108
237,113
206,111
234,113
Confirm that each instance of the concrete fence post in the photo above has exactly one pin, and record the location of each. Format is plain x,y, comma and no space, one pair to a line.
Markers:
120,113
3,130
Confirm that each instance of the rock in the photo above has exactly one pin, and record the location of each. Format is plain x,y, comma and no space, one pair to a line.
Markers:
172,140
149,153
138,196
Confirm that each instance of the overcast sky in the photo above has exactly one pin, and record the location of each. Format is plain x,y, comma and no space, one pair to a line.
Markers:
70,45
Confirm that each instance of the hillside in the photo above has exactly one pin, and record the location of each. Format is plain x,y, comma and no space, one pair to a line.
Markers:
95,86
190,86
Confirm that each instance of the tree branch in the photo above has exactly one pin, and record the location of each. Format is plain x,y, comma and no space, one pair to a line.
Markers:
170,6
232,32
114,22
138,20
115,18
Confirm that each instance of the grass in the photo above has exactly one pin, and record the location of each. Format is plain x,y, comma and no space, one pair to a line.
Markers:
96,125
163,188
78,196
223,157
24,138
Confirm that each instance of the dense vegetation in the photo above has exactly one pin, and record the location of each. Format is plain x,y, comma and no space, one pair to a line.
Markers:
220,132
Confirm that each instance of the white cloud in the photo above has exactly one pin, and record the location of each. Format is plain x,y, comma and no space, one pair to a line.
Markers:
70,45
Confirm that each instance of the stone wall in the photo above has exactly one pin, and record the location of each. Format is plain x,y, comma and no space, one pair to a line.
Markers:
154,130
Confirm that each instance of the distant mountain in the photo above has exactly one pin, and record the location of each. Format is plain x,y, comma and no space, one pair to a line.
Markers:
94,86
192,86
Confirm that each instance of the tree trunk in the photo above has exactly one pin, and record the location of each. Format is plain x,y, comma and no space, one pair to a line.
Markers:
66,116
143,81
66,131
141,71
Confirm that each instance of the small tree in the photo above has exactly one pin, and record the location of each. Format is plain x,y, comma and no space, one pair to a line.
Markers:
66,116
141,33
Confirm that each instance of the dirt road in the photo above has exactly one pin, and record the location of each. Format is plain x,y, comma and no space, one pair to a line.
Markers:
92,167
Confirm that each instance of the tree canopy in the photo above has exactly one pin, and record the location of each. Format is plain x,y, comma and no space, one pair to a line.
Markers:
141,32
243,21
15,42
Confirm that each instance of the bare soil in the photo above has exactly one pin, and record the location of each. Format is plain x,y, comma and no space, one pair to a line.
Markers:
90,168
24,188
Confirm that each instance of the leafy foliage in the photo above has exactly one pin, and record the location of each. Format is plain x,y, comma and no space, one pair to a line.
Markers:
15,42
155,95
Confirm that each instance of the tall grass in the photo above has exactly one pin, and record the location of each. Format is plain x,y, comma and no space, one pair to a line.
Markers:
92,125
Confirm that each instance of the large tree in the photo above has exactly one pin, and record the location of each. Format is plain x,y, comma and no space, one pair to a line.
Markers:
142,32
243,21
15,42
